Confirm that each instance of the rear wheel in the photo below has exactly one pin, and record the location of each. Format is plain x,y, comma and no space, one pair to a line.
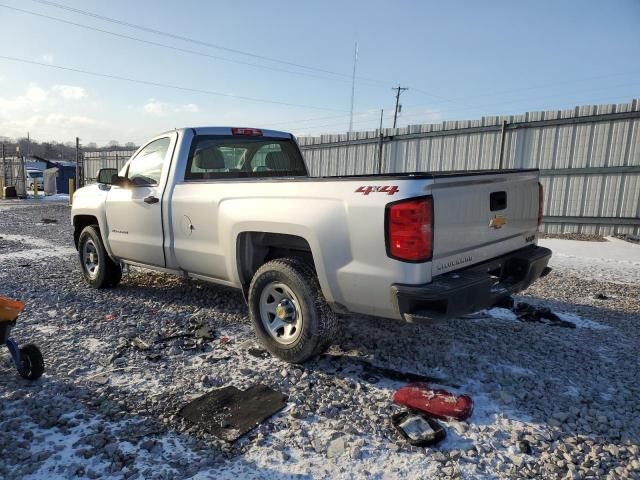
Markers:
98,269
290,316
32,363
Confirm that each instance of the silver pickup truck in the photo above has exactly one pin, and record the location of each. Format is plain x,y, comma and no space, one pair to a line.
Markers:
235,206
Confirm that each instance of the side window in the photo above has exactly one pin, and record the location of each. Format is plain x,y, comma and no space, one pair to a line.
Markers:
146,168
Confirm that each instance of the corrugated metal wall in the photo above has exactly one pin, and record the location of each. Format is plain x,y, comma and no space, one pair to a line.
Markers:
589,159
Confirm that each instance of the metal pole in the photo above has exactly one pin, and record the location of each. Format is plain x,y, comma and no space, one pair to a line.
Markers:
4,168
502,138
380,143
4,174
353,86
78,162
398,90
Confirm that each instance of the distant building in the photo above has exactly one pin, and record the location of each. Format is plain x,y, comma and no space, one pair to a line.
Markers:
66,171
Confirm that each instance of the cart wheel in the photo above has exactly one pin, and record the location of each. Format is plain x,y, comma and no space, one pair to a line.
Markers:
32,366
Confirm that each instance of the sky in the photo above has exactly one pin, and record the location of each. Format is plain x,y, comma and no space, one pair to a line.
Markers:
126,70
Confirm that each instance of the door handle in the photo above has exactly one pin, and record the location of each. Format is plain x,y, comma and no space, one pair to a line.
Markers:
151,199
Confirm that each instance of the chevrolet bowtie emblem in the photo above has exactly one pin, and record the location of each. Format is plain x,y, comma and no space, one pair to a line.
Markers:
497,222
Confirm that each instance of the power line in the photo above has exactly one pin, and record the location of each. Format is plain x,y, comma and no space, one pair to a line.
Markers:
165,85
198,42
171,47
517,90
372,119
276,60
221,47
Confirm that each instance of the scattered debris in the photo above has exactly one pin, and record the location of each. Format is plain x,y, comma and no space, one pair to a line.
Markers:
203,332
418,429
525,447
103,374
224,340
259,353
436,403
530,313
110,317
173,337
140,344
229,413
601,296
506,302
372,373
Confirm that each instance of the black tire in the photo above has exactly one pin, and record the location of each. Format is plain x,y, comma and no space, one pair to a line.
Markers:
318,321
32,366
108,273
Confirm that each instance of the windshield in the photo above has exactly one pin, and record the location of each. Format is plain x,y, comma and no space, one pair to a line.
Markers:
35,174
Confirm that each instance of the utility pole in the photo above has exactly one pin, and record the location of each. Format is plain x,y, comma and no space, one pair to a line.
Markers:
380,143
398,90
78,168
353,86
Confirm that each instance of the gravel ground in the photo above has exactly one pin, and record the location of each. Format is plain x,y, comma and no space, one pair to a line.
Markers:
550,402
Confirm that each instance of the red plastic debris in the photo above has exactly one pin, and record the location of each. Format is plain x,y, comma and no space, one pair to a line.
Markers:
435,403
110,317
224,340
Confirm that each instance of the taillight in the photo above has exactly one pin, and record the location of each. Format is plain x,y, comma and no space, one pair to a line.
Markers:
247,132
540,203
409,229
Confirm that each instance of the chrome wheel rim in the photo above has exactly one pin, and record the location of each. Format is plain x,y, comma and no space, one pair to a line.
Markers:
90,261
280,313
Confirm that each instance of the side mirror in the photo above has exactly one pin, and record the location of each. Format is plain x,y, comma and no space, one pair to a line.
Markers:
118,181
105,175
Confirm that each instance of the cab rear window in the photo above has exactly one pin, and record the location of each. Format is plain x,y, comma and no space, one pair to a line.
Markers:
215,157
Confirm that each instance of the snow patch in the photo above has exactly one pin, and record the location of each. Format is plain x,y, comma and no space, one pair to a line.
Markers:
38,249
502,314
580,322
613,261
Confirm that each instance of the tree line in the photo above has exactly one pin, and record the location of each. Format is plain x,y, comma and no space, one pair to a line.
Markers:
53,150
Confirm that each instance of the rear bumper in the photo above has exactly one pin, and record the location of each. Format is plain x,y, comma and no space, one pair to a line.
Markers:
475,288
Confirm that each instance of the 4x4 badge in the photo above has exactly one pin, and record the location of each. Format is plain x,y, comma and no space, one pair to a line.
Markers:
388,189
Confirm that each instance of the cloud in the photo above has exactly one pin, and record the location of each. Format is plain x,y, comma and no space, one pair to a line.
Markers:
46,58
158,108
154,107
188,107
70,92
46,111
33,98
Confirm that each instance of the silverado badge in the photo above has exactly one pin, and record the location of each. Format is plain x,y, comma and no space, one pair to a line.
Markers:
497,222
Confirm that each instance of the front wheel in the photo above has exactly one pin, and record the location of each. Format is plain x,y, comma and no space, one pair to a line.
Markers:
32,363
97,268
290,316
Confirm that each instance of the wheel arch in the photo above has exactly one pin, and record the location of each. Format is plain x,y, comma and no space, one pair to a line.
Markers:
80,222
255,248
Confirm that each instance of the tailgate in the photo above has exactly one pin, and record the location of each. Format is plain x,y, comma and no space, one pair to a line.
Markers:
481,216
